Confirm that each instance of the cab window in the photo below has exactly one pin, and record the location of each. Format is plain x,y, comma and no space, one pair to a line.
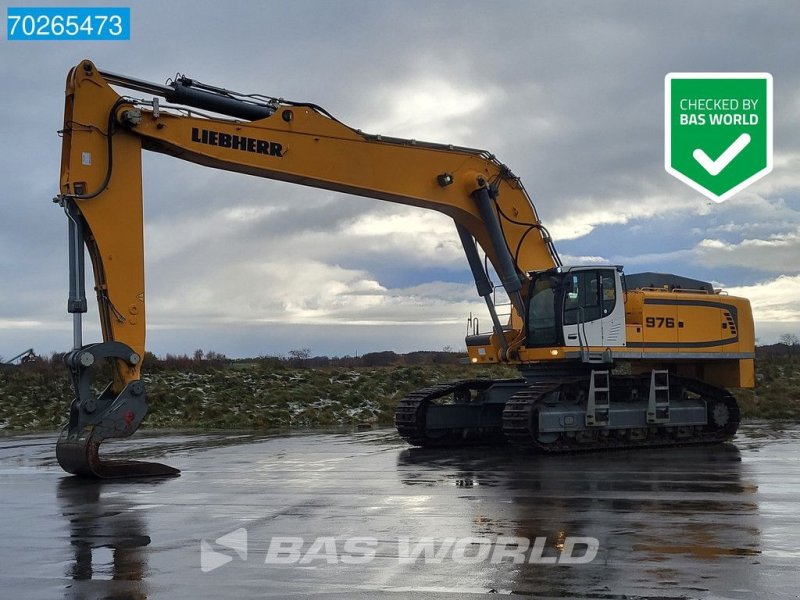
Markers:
609,287
582,297
542,313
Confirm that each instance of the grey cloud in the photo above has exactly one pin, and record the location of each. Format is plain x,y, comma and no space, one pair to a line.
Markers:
575,95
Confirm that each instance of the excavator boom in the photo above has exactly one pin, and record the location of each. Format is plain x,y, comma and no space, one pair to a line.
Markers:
101,192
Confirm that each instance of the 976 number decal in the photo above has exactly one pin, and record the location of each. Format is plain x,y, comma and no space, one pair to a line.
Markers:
668,322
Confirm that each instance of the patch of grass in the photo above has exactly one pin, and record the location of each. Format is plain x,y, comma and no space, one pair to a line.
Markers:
777,391
263,394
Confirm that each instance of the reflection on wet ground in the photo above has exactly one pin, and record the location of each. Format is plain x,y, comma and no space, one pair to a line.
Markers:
697,522
108,539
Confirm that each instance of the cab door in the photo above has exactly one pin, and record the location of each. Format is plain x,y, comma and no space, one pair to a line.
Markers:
594,308
613,308
583,308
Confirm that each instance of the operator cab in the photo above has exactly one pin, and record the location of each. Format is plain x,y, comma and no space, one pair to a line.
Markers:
576,306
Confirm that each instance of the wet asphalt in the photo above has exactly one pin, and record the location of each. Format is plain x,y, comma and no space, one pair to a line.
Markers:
697,522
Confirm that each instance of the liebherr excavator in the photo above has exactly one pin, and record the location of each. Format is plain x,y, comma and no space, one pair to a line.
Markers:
569,327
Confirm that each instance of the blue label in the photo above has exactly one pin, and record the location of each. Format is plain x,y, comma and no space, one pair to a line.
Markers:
64,23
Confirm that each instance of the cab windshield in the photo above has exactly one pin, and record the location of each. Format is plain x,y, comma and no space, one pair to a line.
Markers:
542,311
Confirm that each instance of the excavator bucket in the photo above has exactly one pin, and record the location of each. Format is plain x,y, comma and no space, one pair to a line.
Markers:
111,415
80,455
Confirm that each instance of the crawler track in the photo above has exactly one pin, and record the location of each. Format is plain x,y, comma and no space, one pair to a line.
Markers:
520,419
519,424
411,415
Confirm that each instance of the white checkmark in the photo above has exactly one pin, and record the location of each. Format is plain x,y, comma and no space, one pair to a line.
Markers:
714,167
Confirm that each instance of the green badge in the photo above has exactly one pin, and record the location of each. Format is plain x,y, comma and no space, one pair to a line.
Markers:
718,130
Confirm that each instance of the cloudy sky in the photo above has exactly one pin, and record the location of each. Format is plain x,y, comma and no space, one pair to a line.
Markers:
568,94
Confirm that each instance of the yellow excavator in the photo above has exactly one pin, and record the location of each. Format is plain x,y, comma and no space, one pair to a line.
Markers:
605,360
